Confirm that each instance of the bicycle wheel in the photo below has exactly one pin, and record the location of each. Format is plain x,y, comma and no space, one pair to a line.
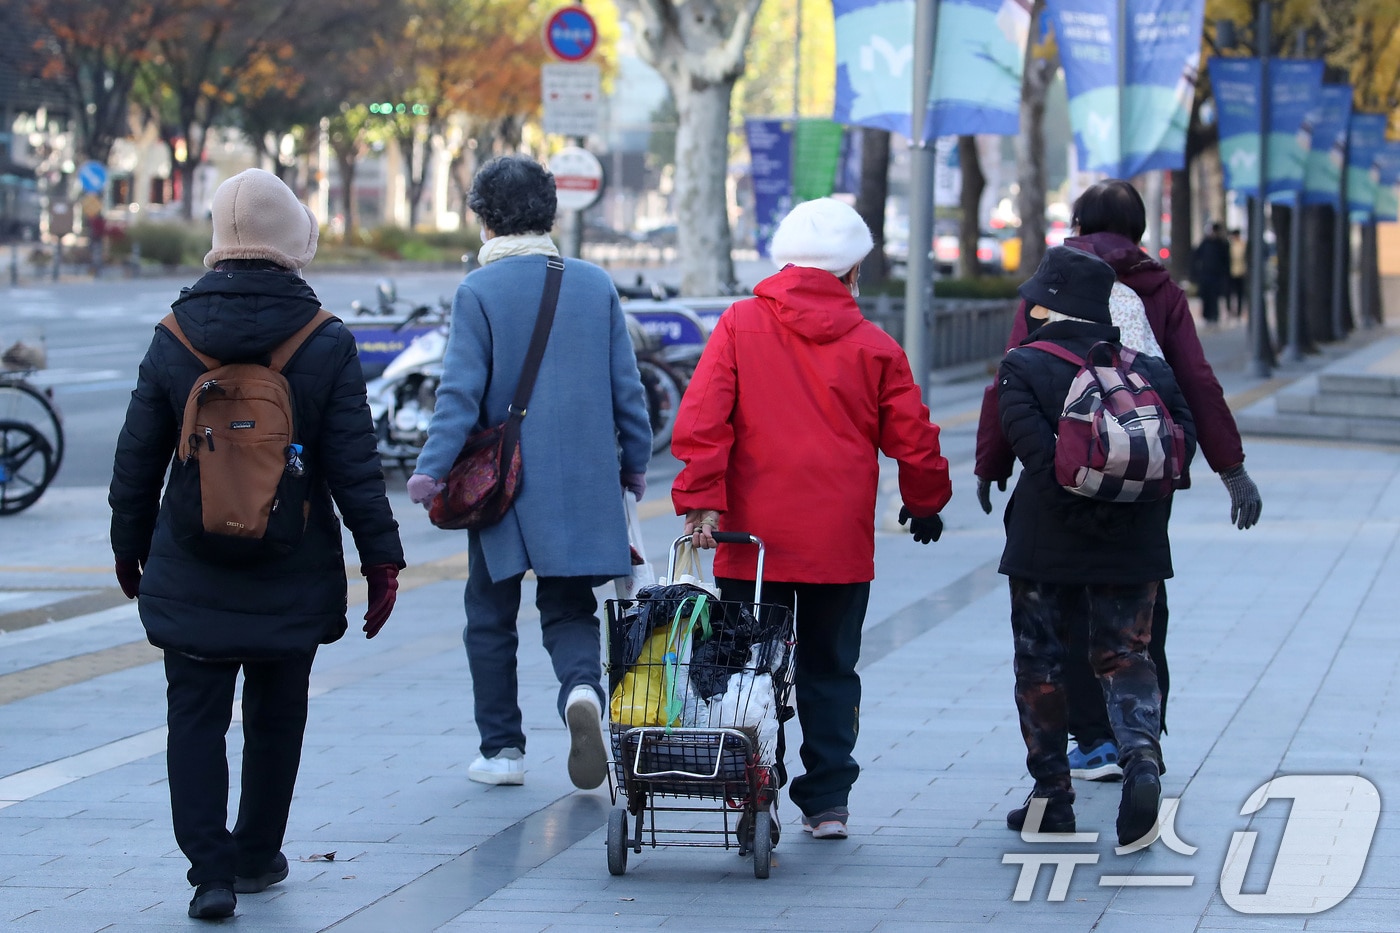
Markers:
27,465
26,404
663,401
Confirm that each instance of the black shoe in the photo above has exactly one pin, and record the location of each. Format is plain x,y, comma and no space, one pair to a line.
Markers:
277,871
1058,817
213,900
1142,796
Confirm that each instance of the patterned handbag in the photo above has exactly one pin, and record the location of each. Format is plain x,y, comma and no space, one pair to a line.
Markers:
485,478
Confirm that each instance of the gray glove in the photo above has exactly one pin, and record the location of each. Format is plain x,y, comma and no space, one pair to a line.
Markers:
1245,502
984,492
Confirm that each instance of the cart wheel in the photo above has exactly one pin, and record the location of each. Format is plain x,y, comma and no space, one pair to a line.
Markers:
762,844
617,841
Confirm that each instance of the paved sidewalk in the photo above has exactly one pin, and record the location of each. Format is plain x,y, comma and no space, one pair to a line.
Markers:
1284,660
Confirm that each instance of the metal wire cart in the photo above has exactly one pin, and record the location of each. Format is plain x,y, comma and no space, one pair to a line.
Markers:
698,686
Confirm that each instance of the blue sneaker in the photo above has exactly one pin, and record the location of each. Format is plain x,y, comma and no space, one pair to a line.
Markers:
1099,763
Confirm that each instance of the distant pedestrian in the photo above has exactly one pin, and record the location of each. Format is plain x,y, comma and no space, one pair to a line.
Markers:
1210,268
266,619
1109,221
586,438
1239,272
780,431
1111,554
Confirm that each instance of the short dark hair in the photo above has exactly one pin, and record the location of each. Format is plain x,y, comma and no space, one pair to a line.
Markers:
249,265
1113,206
513,194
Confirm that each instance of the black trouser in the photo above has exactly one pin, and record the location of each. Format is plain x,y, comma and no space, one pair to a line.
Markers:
569,630
1237,294
828,619
1120,625
199,695
1211,292
1088,714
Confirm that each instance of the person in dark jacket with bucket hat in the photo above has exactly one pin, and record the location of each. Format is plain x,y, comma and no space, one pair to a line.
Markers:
1114,553
266,619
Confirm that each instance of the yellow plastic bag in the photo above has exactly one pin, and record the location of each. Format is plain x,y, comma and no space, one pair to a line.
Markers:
650,692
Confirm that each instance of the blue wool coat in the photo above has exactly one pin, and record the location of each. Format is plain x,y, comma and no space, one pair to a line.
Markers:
586,421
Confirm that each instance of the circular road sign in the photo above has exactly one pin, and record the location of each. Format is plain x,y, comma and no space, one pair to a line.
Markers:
578,178
92,176
571,34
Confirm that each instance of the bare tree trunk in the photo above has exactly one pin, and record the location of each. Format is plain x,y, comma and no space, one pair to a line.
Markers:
1038,72
347,164
1368,266
704,239
973,182
1181,224
870,203
1281,217
1317,272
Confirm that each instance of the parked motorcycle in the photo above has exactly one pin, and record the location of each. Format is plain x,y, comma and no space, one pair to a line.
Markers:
402,397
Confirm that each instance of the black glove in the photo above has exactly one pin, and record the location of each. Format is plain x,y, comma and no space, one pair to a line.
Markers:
1245,502
924,529
984,492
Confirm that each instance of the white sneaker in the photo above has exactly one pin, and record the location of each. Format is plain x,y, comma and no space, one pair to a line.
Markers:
588,753
507,767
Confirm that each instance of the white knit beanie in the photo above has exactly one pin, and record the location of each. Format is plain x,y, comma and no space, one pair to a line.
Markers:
256,216
821,234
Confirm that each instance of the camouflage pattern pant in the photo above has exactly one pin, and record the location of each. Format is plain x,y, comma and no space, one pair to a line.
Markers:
1120,627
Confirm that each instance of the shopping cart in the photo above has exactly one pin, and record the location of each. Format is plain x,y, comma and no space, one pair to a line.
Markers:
698,687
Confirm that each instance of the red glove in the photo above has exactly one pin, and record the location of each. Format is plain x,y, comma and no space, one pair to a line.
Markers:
129,577
383,580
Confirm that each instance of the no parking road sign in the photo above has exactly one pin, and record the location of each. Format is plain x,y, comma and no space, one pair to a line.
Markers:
571,34
578,178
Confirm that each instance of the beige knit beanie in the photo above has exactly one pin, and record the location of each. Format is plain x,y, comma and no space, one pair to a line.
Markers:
256,216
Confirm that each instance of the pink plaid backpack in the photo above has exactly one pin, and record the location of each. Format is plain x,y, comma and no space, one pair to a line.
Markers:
1116,440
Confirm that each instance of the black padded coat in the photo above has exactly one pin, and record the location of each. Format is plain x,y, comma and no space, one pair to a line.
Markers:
287,606
1055,536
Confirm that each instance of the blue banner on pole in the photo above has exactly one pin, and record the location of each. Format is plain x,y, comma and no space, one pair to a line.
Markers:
1160,44
1330,118
977,64
1295,86
1234,83
1367,139
976,86
770,161
1387,204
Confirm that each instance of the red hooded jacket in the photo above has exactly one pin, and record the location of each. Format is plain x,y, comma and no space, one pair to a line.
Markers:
781,428
1175,330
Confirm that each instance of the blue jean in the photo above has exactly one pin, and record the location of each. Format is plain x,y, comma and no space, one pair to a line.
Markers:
569,630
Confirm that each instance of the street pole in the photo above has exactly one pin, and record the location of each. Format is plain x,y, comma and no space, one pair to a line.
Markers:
1341,227
1294,352
1261,365
1123,88
918,287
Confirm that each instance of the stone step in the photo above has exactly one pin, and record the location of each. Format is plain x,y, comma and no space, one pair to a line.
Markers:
1358,383
1283,424
1336,404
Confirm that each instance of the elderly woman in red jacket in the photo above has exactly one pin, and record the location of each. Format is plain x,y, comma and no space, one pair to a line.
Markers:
781,430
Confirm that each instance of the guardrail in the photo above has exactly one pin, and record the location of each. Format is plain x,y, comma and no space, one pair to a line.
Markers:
964,330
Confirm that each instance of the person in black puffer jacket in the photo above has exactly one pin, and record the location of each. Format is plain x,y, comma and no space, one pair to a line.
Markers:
267,618
1115,553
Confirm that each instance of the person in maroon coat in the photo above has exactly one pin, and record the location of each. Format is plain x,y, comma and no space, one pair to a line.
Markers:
1109,220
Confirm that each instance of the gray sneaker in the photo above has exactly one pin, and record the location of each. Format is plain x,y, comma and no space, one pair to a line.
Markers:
828,824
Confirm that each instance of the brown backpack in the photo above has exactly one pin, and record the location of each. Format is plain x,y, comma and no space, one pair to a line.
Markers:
238,491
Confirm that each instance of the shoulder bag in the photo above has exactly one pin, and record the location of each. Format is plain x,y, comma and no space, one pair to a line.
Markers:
485,478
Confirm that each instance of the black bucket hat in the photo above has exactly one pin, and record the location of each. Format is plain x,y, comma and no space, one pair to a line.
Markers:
1073,282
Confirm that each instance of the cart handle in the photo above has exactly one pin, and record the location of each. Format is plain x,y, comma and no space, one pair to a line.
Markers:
727,537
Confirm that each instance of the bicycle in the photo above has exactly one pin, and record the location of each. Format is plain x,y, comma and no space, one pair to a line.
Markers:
31,430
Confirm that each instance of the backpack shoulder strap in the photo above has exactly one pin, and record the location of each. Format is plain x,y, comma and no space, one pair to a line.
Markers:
170,324
1054,349
283,354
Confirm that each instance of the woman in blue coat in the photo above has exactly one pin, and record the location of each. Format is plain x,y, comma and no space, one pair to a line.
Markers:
586,437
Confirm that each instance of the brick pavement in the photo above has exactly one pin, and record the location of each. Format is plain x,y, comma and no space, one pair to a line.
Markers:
1284,662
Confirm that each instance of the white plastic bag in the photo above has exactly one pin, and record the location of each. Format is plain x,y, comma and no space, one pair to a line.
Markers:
642,573
690,570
